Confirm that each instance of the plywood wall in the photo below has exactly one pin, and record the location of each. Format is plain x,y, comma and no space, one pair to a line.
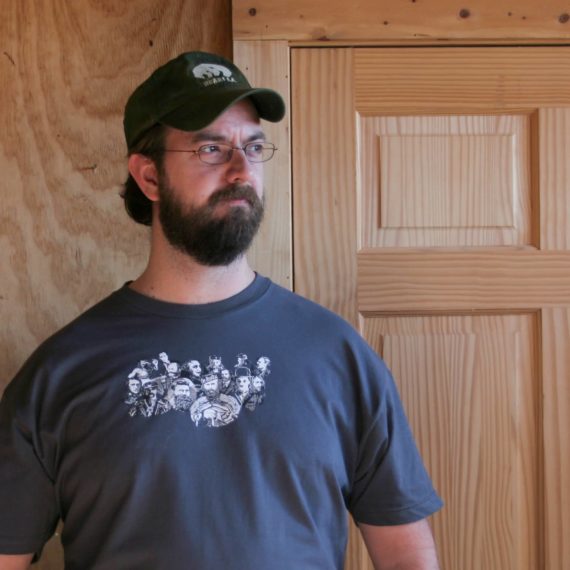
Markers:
66,69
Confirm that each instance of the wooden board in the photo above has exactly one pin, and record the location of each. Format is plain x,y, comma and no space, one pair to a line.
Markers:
266,64
369,20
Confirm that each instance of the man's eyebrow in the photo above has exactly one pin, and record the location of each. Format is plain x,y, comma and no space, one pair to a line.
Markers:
203,136
257,136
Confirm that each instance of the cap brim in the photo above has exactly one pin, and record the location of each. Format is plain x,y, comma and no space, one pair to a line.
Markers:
199,113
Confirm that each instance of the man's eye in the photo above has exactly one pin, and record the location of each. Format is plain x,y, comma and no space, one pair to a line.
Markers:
211,149
255,147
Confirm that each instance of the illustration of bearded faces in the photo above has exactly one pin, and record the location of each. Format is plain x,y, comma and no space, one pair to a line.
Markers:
211,386
184,395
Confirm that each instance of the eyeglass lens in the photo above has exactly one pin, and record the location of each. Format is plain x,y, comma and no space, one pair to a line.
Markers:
220,153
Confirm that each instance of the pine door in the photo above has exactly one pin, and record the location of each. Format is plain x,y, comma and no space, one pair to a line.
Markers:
431,208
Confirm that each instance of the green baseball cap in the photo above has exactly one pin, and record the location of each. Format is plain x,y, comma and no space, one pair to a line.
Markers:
190,91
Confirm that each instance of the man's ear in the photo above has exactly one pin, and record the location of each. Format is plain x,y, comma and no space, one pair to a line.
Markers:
144,171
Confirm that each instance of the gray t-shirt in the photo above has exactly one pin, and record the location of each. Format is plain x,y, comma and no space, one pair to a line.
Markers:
229,435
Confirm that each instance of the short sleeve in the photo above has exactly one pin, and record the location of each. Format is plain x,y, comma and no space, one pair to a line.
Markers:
28,506
391,485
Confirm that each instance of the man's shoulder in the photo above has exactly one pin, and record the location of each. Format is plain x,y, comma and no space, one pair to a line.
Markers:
92,323
306,310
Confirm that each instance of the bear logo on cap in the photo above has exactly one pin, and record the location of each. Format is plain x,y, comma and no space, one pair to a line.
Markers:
212,74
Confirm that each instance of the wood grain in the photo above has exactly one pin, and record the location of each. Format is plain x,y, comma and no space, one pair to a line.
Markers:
555,345
475,310
470,389
368,20
324,197
66,70
554,178
462,280
460,80
445,180
266,64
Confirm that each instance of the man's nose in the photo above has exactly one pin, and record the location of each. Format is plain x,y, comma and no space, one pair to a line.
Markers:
239,167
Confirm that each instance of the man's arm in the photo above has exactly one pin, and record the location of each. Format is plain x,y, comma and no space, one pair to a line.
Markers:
15,561
400,547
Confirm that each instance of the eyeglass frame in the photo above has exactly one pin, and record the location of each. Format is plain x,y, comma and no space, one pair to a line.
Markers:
230,150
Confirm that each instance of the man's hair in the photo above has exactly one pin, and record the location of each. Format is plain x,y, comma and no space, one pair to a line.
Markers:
151,145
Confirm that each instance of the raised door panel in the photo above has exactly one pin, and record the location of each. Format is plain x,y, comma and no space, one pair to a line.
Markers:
470,387
445,180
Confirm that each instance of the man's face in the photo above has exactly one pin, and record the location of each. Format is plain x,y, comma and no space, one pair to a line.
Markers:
182,390
210,386
212,212
163,356
150,391
195,368
258,384
134,386
242,383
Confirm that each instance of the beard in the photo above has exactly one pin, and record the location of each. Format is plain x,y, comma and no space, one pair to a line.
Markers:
183,403
199,232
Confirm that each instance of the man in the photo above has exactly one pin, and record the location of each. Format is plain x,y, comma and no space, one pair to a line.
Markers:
194,369
257,393
151,403
183,394
135,390
262,366
159,489
214,409
242,388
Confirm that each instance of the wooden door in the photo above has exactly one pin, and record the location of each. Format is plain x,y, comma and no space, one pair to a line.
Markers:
432,210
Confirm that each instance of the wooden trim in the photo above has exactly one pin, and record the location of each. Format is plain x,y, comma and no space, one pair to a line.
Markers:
266,64
435,42
462,280
385,20
556,410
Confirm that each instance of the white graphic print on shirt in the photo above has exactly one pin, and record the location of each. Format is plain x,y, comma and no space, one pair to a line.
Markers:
213,395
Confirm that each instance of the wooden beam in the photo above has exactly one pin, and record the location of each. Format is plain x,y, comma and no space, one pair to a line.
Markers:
334,20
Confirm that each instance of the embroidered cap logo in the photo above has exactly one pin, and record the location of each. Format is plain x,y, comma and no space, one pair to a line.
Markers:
211,74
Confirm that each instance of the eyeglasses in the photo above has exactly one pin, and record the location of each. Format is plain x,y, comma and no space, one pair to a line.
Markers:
221,153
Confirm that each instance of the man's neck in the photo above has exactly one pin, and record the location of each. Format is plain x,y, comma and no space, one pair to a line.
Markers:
177,278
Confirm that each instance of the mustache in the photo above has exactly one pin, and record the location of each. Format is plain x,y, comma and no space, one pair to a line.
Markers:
234,192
